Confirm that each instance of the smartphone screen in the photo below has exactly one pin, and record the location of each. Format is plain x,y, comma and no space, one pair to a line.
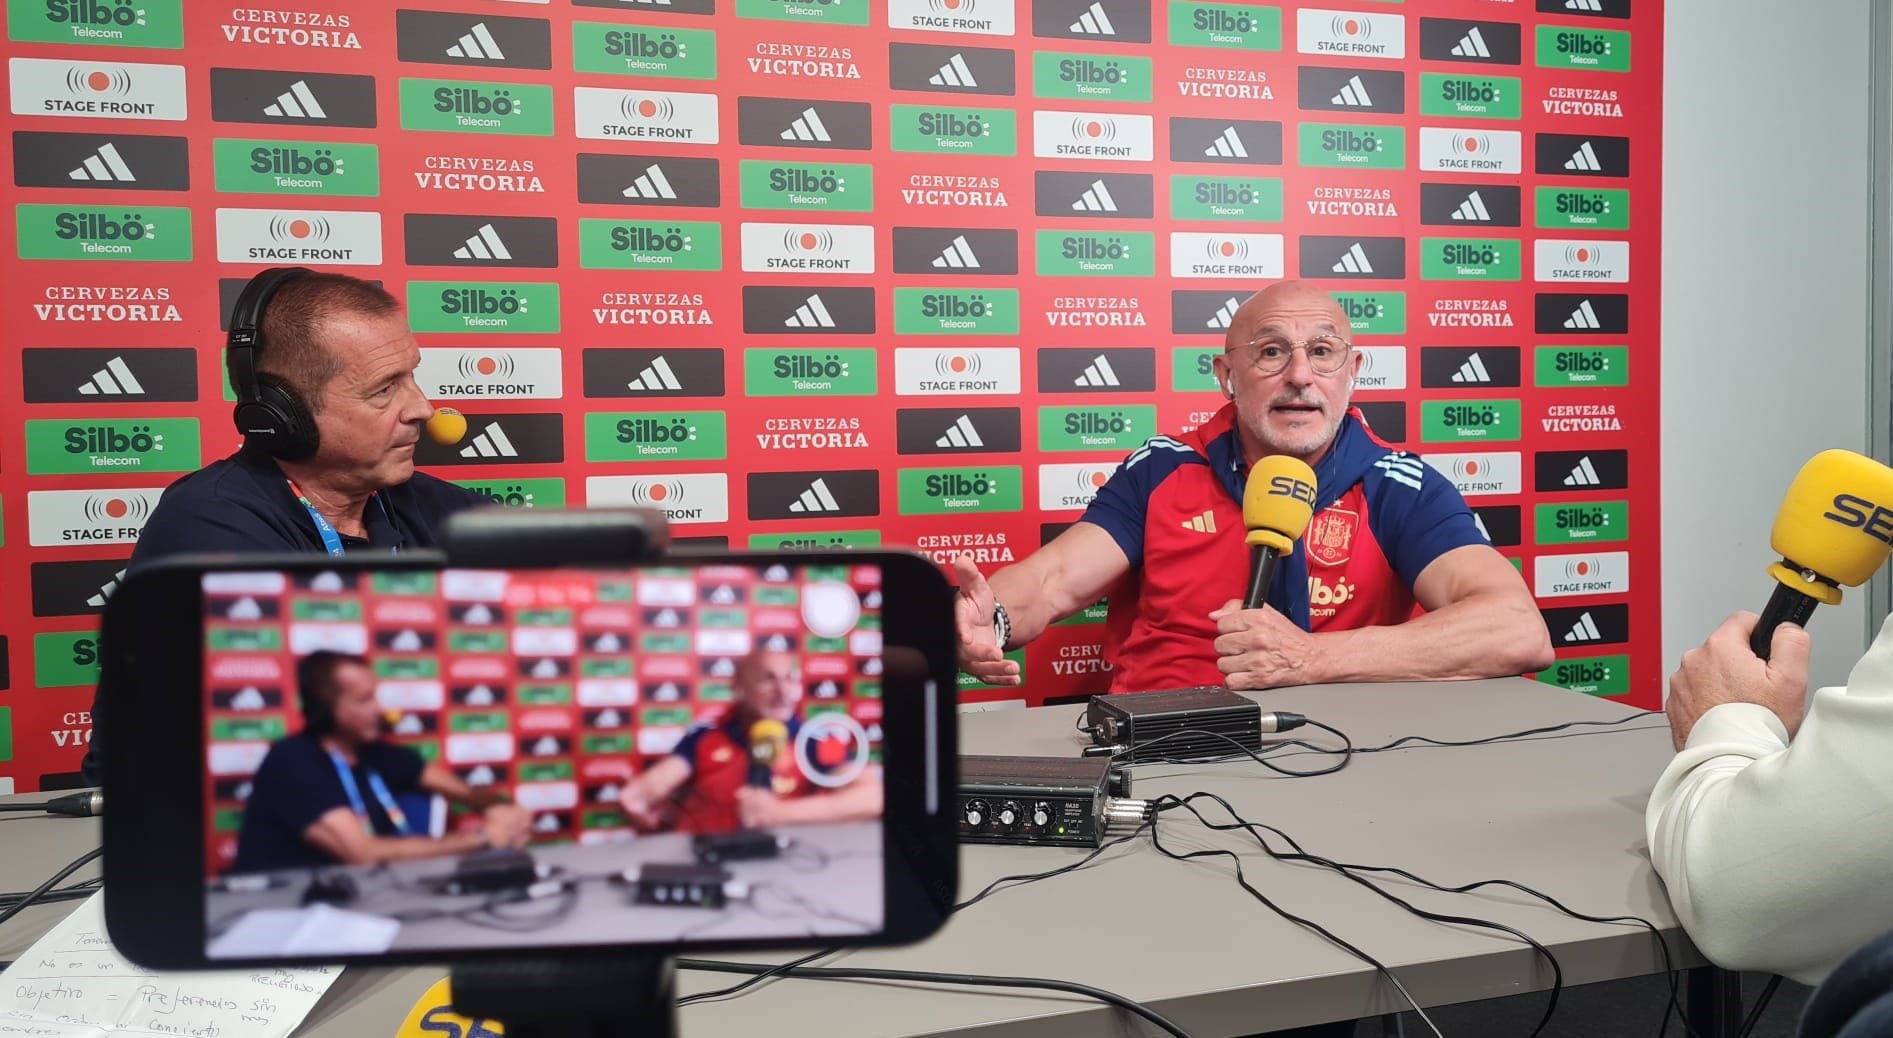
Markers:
438,760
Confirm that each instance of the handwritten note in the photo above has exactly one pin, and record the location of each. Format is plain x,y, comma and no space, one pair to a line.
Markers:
73,984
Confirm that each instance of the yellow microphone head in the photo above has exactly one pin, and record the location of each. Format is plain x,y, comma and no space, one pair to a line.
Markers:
1278,502
447,427
768,737
1836,521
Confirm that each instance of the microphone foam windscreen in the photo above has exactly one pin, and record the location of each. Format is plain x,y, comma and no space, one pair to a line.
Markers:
1278,501
1837,517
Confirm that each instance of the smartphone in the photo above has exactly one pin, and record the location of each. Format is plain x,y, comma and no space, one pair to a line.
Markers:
394,759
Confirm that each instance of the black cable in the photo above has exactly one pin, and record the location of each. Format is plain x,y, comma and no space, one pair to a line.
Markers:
39,806
36,893
1754,1016
1022,879
1169,801
1345,753
737,989
928,977
1397,743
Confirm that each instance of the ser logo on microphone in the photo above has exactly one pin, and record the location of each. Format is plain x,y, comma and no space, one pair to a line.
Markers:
1858,513
1290,487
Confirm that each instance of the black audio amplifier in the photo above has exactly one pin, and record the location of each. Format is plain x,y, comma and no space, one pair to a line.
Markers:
1060,801
1193,723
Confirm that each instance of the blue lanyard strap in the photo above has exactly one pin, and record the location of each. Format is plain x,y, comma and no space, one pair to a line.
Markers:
331,540
375,786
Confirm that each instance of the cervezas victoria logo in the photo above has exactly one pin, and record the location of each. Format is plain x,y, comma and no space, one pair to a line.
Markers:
97,89
302,30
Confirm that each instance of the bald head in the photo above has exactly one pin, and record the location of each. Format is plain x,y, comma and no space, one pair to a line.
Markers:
769,684
1280,302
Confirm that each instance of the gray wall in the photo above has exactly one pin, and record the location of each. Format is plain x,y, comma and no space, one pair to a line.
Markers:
1766,235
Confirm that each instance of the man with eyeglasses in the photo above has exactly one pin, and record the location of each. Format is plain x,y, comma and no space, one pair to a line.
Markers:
1394,579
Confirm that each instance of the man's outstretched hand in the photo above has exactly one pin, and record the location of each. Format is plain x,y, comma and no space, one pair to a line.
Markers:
980,653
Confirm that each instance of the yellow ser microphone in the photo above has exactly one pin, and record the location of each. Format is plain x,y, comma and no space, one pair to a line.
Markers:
1276,507
768,741
1835,528
447,426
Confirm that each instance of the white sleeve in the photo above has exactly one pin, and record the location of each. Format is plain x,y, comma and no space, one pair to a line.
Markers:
1777,856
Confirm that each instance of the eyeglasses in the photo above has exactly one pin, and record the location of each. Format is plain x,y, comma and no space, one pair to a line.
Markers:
1327,354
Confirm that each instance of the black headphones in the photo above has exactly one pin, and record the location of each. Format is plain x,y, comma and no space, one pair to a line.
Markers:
270,414
318,713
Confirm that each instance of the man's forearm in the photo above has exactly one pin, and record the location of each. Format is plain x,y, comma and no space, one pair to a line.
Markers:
1479,637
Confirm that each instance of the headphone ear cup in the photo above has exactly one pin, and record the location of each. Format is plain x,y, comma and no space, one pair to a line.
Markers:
298,437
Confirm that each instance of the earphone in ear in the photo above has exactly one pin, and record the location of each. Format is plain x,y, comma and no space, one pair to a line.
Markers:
1228,392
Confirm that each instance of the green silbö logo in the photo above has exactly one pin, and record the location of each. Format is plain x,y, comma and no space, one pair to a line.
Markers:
1228,26
519,493
650,244
833,372
98,23
1226,198
1592,675
1374,313
1470,259
460,106
1571,367
953,130
65,658
1460,421
1594,209
264,167
483,306
1095,428
823,12
1097,253
644,50
1477,97
1599,50
58,447
835,187
956,311
1090,77
814,540
1349,146
1590,522
1094,613
656,436
1193,369
989,488
158,233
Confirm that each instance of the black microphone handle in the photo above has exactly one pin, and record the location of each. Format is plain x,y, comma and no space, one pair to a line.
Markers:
1785,605
1261,569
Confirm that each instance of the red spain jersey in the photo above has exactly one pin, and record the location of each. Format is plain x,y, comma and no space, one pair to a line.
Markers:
718,755
1175,507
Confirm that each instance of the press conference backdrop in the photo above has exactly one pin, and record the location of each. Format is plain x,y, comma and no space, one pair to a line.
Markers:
839,272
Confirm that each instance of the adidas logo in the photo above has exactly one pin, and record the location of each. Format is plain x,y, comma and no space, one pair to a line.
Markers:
657,377
1094,22
484,245
958,256
1228,146
1354,94
1479,521
97,601
807,127
1224,315
105,165
954,73
1096,199
1205,523
114,379
653,184
1354,261
1585,630
1471,45
1584,160
1584,5
961,434
1097,373
1583,474
1583,317
1403,468
1473,209
1473,370
298,102
491,443
816,498
477,44
811,314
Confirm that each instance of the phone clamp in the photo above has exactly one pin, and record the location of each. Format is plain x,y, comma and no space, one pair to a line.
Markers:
602,996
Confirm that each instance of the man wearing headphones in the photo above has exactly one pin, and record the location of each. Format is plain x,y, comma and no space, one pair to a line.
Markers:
1394,579
323,369
328,794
